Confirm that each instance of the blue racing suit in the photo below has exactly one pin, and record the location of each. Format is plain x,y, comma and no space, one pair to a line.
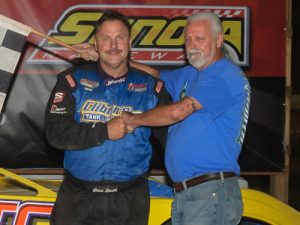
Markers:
82,101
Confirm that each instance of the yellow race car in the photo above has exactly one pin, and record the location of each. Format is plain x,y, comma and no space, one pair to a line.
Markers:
27,202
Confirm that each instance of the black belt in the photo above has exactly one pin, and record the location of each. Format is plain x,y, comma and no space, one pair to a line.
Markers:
183,185
104,186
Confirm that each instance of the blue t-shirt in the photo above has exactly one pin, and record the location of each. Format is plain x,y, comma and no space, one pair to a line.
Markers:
210,139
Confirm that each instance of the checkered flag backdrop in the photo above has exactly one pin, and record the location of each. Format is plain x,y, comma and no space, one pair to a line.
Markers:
12,39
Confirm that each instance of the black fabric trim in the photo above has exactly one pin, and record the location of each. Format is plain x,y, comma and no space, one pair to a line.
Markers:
14,41
5,79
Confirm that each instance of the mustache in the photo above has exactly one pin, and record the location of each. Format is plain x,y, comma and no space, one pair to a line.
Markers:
193,51
113,50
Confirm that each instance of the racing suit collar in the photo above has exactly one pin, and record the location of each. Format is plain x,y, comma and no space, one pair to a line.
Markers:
107,77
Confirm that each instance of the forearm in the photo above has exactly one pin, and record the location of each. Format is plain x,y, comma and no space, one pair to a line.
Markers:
159,116
148,69
164,115
66,134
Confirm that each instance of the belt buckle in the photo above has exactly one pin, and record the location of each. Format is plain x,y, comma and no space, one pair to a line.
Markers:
180,186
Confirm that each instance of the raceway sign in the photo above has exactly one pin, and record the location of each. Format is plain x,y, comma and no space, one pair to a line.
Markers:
157,32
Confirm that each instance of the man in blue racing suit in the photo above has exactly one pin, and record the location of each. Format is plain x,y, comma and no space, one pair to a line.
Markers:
105,171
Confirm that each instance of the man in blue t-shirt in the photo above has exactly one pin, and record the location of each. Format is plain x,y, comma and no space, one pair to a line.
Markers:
209,115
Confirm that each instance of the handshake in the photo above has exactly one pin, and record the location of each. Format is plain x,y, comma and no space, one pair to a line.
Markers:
118,127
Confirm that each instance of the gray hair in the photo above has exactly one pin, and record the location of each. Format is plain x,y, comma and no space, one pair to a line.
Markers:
216,25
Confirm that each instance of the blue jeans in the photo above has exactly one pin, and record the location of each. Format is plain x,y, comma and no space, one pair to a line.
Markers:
211,203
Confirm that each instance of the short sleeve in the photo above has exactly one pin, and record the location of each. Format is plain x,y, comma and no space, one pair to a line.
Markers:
175,80
213,94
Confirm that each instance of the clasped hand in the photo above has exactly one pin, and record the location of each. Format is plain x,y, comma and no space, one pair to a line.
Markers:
118,127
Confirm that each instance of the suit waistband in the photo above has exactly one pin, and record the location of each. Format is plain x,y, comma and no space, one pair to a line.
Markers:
104,186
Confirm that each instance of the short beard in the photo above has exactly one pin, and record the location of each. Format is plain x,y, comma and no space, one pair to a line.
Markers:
198,61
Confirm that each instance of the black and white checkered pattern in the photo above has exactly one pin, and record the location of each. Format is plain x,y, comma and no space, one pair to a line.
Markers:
12,39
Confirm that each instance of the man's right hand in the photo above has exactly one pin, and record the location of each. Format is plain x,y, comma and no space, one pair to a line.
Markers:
116,128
